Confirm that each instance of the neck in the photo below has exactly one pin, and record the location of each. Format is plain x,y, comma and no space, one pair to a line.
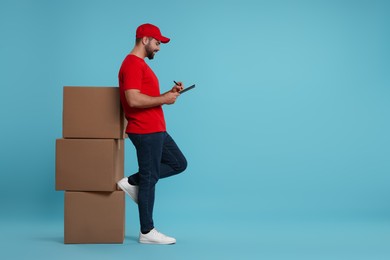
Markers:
139,52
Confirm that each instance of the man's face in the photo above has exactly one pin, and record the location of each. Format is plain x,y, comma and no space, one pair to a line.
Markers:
152,47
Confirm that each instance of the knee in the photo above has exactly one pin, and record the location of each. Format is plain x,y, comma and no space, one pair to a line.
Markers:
182,166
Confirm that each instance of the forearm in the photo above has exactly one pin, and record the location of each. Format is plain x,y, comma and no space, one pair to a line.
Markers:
136,99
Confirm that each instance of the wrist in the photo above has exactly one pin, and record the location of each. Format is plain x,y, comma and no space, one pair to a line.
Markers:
162,100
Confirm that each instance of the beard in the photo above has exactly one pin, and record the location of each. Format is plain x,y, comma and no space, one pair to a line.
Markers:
149,52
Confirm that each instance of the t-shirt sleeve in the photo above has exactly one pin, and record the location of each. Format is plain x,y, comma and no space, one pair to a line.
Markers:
131,76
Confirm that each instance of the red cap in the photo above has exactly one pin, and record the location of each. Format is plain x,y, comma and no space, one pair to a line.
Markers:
150,30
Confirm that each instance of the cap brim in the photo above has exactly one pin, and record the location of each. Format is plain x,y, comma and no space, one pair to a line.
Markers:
164,39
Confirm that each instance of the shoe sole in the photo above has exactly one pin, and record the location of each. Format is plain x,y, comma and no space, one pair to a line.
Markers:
156,243
123,188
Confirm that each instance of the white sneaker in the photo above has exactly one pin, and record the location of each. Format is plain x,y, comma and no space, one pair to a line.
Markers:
131,190
155,237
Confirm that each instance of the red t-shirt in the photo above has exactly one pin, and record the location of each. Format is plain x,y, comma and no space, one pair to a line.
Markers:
136,74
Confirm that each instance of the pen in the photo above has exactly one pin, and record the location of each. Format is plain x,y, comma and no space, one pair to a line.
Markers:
176,83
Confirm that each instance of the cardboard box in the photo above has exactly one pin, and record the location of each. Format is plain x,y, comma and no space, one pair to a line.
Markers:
94,217
92,112
89,164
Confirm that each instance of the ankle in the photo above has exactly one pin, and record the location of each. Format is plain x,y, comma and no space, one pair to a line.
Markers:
146,232
131,181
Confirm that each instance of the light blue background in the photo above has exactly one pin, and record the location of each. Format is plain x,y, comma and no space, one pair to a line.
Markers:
286,133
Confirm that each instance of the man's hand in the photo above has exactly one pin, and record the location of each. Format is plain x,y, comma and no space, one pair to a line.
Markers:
170,97
178,87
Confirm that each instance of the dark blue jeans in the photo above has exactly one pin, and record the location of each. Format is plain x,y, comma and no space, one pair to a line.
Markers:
158,157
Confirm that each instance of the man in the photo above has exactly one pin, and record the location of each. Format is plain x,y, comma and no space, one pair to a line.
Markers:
157,153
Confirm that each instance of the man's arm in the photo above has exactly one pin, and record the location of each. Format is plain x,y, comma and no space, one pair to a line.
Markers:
136,99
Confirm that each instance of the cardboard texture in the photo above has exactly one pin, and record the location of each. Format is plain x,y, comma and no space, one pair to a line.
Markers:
92,112
89,164
94,217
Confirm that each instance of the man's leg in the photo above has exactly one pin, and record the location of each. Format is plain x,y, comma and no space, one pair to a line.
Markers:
149,151
150,160
172,159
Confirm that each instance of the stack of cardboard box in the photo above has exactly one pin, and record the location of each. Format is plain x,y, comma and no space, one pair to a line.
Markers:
89,162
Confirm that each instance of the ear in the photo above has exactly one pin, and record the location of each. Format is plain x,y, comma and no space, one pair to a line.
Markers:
145,40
